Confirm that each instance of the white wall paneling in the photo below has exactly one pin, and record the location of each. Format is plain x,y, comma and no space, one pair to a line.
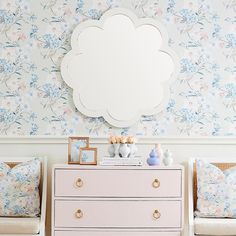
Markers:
55,148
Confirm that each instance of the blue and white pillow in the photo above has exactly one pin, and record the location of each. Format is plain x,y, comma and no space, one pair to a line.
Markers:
19,189
216,191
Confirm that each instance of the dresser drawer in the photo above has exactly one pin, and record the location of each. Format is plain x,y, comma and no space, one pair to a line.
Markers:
114,233
123,214
118,183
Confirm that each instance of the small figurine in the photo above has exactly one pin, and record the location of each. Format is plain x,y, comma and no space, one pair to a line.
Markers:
168,160
159,150
154,158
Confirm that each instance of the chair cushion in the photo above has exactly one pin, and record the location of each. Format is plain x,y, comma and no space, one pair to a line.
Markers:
214,226
19,189
13,225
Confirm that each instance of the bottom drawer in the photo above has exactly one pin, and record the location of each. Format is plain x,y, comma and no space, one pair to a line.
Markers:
118,214
114,233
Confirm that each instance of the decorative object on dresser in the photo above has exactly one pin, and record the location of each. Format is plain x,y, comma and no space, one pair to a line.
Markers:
168,159
113,148
154,158
122,152
74,146
117,201
131,140
135,161
122,146
88,156
159,150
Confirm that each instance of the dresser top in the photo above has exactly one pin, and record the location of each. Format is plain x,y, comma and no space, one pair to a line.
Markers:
98,167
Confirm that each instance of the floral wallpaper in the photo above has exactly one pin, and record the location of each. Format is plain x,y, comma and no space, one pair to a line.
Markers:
34,36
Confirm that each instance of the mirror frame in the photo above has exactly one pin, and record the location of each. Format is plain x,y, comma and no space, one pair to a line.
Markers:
75,50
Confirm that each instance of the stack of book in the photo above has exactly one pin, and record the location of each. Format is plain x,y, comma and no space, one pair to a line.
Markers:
120,161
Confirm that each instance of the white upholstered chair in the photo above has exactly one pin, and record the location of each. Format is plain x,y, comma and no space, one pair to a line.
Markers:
26,226
208,226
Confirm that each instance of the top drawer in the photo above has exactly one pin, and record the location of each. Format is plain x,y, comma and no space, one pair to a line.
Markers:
118,183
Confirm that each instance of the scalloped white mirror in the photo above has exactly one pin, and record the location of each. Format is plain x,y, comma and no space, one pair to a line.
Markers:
119,67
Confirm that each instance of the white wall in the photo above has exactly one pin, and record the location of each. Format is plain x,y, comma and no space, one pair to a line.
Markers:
55,148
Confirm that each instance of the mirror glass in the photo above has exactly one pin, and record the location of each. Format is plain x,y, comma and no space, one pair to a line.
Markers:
119,67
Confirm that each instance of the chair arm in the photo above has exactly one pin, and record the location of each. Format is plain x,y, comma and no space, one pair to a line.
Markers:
44,198
190,198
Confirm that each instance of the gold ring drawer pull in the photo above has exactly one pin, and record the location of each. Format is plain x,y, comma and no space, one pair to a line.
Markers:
156,214
79,183
78,214
156,183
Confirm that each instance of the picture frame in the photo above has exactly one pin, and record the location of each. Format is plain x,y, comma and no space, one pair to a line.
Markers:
88,156
74,147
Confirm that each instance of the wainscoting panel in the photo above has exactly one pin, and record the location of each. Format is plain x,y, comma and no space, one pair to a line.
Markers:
56,149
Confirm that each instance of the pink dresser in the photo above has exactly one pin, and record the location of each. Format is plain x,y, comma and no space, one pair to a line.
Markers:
117,201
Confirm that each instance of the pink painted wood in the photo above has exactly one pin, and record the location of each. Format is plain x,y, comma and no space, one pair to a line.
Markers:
118,213
121,233
118,183
120,199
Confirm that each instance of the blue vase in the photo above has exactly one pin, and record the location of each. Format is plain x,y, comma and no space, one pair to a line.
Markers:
153,159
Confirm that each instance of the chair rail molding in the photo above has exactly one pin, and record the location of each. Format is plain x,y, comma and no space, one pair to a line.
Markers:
142,140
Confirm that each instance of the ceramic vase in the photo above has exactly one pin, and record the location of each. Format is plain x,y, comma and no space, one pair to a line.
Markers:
153,159
133,149
116,149
168,160
111,150
159,151
124,150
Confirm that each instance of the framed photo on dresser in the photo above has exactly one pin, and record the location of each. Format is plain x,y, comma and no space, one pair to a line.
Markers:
88,156
74,148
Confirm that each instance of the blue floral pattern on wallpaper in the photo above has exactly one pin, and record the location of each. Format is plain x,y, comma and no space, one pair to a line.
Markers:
35,35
